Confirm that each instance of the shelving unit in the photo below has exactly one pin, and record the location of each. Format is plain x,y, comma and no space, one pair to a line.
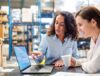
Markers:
22,35
3,22
42,19
37,23
25,33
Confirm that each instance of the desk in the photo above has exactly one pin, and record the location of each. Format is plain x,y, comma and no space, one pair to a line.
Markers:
16,72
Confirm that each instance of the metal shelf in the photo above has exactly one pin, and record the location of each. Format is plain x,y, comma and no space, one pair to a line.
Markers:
38,23
22,23
11,24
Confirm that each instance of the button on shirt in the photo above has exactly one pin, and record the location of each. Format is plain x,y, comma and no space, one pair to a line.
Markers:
52,48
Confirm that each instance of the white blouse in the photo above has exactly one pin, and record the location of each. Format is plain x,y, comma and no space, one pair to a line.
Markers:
91,64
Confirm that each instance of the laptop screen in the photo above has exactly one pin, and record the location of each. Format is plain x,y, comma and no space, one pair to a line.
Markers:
22,57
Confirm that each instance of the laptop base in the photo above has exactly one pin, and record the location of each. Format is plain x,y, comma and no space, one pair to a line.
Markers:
38,69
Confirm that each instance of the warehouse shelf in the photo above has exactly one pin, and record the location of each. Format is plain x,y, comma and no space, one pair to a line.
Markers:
39,21
13,33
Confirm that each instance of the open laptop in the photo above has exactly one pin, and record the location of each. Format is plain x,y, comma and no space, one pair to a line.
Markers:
25,64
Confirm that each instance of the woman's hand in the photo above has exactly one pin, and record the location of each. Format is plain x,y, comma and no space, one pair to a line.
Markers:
36,54
58,63
73,62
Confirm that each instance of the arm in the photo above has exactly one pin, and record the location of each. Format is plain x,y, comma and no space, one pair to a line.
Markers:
78,61
75,60
93,65
42,48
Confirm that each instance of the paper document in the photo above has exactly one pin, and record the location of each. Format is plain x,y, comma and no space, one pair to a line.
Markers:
73,74
6,70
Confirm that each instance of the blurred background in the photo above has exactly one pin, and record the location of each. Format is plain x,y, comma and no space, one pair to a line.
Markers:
25,22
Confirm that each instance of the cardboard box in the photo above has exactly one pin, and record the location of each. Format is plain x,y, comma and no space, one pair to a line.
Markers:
0,55
1,31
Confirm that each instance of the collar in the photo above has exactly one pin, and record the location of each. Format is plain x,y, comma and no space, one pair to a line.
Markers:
65,39
97,42
55,37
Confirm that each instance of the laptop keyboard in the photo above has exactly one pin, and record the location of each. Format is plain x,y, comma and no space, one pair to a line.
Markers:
40,68
36,67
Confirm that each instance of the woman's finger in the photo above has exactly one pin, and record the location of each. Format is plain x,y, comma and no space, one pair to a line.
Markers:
37,53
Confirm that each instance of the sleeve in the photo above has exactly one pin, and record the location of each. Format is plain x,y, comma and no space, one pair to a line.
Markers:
93,65
75,50
75,55
43,45
79,61
42,48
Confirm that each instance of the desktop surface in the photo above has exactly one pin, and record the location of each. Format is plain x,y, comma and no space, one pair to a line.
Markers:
16,72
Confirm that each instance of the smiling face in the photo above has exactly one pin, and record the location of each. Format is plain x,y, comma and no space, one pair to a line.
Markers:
85,27
88,21
59,25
